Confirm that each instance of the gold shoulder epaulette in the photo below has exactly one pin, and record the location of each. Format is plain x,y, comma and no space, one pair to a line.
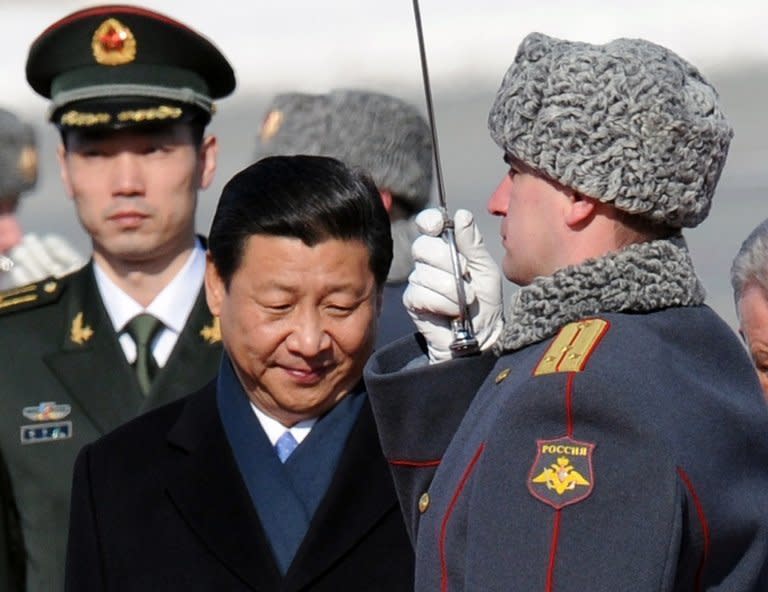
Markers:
30,296
572,347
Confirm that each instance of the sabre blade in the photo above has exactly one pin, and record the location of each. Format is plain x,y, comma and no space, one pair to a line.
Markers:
464,341
430,107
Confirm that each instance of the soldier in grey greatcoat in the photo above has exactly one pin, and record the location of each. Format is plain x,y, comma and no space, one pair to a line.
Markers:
612,434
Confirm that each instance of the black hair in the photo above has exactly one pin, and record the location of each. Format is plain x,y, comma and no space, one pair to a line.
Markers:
311,198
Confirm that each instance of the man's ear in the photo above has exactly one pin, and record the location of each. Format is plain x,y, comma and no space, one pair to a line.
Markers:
580,210
215,290
386,199
209,151
61,157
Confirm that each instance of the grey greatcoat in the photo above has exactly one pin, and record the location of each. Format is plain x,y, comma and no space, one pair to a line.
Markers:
58,346
622,449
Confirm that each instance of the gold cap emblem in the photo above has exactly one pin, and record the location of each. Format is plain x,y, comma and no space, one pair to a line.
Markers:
27,164
113,43
271,125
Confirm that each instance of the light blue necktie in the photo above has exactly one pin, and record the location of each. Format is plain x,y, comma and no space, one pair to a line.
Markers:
285,445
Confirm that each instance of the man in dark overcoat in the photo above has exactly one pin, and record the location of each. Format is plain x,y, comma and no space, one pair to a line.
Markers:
131,92
614,438
270,478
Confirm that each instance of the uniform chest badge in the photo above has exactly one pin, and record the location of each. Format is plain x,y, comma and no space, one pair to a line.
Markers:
46,411
562,473
39,433
47,427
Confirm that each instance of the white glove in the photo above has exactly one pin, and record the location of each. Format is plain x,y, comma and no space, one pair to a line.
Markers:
431,296
37,258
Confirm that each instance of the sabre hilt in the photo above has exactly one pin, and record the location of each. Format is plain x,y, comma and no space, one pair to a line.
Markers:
464,342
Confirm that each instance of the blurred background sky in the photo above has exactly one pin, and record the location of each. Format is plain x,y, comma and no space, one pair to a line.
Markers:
315,46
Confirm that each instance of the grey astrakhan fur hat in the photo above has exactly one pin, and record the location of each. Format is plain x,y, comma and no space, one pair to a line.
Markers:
629,123
18,156
379,133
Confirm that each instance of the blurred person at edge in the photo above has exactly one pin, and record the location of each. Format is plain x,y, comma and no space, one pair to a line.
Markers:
385,136
25,258
749,280
131,93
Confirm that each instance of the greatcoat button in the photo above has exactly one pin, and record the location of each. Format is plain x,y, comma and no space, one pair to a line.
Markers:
423,502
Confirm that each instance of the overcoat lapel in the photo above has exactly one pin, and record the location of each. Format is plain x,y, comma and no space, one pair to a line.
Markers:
211,496
360,493
90,363
194,360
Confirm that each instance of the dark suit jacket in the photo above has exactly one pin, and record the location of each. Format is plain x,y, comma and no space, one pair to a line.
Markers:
50,355
160,505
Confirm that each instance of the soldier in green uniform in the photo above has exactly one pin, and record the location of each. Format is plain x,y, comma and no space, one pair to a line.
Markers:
131,93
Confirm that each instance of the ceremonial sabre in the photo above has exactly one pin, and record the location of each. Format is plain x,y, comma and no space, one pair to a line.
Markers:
464,341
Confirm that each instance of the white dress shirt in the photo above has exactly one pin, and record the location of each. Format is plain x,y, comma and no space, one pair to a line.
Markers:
274,429
171,306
